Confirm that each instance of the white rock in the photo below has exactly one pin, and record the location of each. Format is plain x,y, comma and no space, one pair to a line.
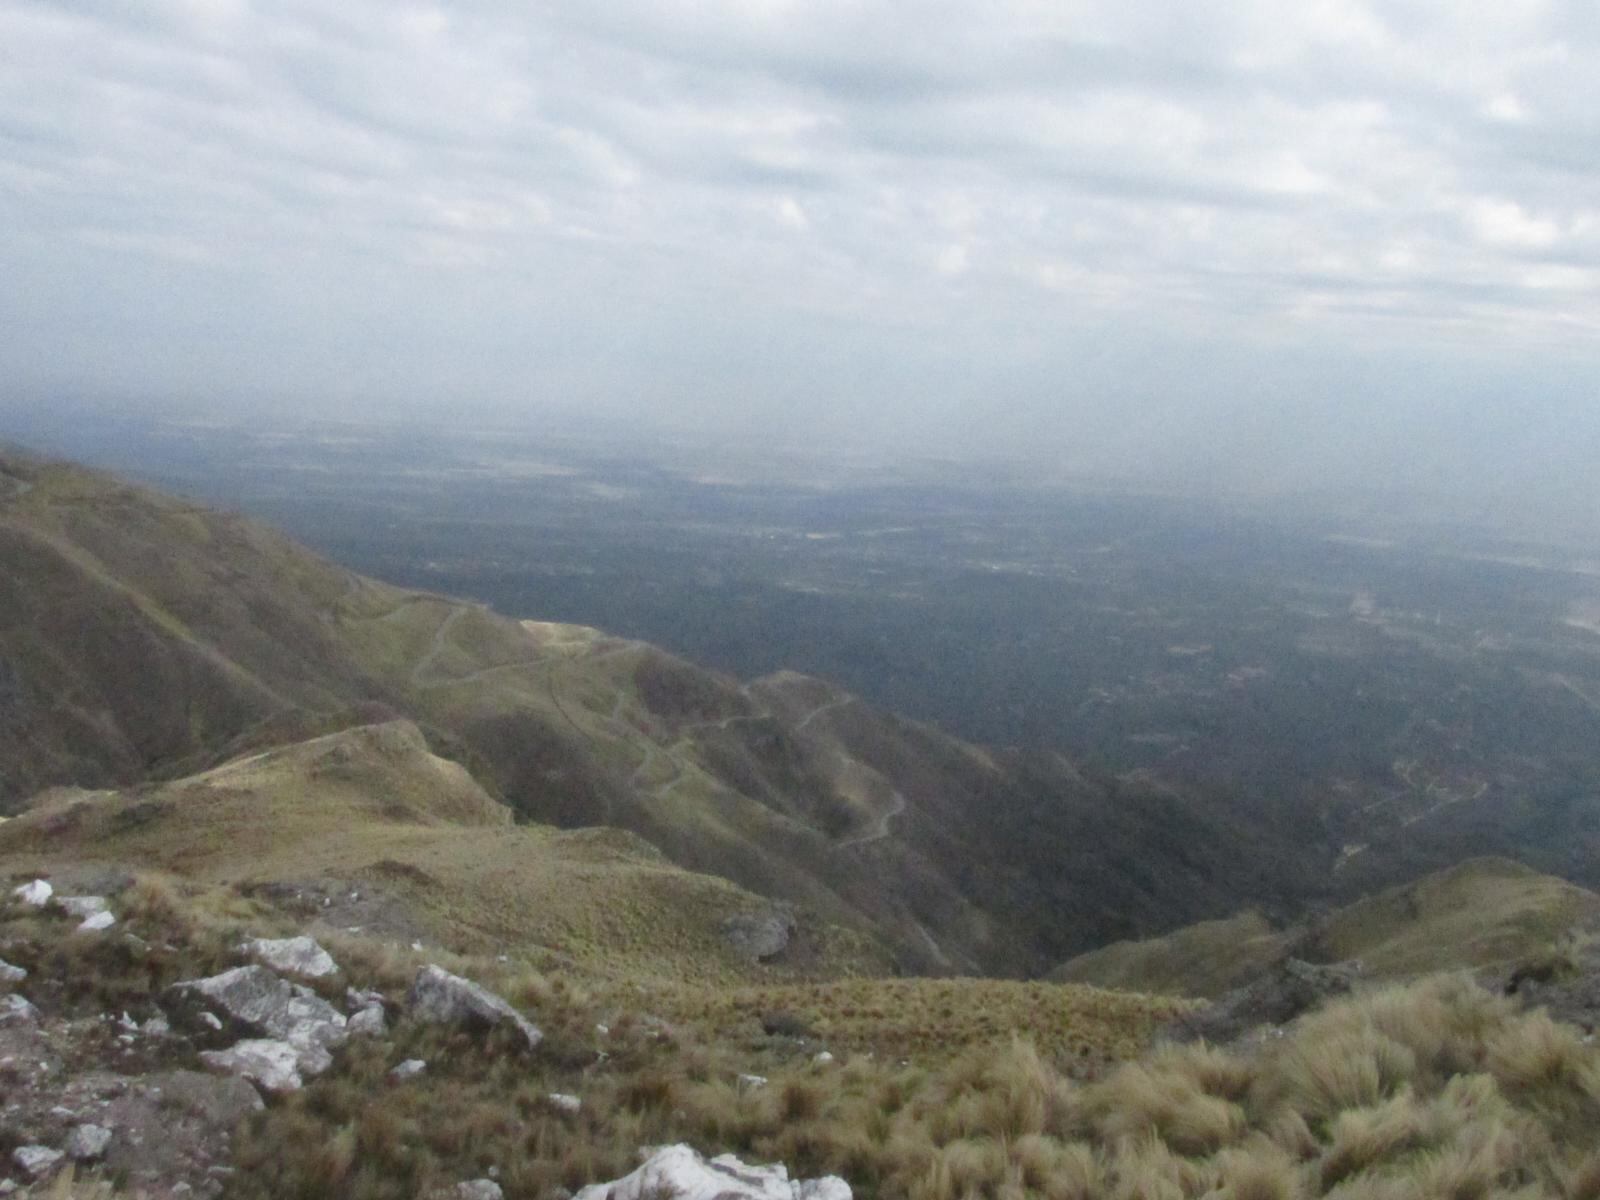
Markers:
16,1008
96,922
82,906
479,1189
749,1083
602,1031
158,1027
294,956
823,1059
87,1142
369,1022
11,974
439,997
564,1102
212,1020
273,1064
37,894
276,1010
37,1161
680,1172
405,1070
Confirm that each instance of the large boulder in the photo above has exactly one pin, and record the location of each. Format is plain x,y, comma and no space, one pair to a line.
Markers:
438,997
681,1173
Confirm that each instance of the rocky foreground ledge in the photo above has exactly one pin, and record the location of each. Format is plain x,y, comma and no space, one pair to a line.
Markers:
157,1102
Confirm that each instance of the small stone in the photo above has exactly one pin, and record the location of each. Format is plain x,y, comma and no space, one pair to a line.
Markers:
479,1189
97,922
87,1142
37,894
212,1020
369,1022
37,1161
563,1102
602,1031
273,1064
156,1027
294,956
823,1059
411,1066
82,906
11,974
749,1083
16,1008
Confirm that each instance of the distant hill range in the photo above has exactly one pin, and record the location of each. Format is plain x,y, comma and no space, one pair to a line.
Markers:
156,654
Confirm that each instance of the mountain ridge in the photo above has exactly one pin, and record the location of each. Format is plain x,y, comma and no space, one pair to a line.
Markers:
153,636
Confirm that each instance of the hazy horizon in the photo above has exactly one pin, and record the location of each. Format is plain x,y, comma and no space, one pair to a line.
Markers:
1343,247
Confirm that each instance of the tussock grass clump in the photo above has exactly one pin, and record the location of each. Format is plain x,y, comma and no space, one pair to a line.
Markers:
1437,1089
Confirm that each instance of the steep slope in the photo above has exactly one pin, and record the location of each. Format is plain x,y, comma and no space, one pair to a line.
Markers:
1486,912
145,637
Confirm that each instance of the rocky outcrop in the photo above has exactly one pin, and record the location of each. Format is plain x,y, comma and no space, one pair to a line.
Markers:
271,1013
439,997
680,1172
293,956
10,973
1278,997
760,936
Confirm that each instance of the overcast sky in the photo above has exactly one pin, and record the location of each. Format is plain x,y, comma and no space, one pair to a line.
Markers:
1278,240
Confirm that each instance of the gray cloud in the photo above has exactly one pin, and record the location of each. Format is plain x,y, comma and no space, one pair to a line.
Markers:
1114,228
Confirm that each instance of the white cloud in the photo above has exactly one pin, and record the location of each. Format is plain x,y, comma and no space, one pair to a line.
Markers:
614,190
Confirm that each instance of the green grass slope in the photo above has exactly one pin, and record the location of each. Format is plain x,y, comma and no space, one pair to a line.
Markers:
1485,912
371,810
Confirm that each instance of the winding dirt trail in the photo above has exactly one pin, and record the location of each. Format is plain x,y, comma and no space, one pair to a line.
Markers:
880,828
819,710
436,647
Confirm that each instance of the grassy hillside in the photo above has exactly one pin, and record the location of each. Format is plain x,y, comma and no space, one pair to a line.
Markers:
408,844
1205,959
1485,912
